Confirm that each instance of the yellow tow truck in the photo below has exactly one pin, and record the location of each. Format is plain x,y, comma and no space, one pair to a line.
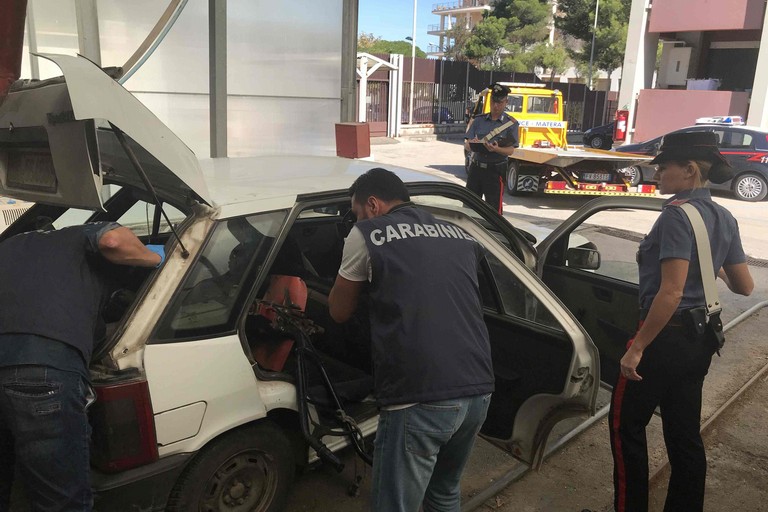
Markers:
544,162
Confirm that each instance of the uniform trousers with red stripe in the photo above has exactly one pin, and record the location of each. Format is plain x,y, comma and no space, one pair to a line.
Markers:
487,182
673,368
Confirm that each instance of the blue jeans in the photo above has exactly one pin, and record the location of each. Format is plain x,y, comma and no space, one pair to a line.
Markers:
420,453
44,432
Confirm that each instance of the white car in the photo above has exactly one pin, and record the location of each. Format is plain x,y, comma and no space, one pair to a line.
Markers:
193,410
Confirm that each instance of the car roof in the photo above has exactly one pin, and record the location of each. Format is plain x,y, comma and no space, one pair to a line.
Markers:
250,184
731,126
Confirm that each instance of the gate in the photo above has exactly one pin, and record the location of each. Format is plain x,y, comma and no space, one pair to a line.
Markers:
377,106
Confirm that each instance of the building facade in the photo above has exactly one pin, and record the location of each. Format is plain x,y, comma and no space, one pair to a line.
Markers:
463,13
687,59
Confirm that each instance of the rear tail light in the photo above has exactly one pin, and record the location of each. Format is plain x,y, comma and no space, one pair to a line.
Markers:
123,426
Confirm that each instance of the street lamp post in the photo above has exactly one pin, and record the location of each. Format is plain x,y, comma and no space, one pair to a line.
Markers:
413,65
592,51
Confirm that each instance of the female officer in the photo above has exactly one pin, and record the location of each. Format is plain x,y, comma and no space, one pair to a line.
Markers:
666,362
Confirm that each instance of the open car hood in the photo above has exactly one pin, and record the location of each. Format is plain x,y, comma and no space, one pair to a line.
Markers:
56,146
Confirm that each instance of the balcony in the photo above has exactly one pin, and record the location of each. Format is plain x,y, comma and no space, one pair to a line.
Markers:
458,6
700,15
435,30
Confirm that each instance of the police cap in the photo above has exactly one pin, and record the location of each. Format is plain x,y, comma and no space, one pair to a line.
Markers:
499,92
695,146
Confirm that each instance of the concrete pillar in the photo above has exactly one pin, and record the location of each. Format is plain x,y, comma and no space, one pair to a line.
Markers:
349,60
639,60
758,106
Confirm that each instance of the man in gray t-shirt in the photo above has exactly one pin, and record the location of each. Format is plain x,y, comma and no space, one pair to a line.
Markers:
432,363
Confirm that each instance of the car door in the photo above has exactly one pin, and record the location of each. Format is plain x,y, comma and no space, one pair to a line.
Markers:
545,364
603,296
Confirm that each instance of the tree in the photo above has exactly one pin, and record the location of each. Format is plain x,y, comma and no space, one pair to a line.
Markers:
484,46
577,19
369,43
528,20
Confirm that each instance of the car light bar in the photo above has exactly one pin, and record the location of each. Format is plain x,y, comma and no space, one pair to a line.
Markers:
724,120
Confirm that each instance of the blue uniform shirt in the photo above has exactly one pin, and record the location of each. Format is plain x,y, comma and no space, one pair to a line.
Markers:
483,125
672,237
53,287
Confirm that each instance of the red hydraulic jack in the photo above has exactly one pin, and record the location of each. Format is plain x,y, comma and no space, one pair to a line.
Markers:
13,13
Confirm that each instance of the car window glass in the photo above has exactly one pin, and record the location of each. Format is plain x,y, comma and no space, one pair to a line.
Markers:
721,137
617,247
211,294
514,103
516,299
740,140
541,105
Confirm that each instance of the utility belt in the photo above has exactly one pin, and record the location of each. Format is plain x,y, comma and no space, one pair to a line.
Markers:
696,322
489,165
678,319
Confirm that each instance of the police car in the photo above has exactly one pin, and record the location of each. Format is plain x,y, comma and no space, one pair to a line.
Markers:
745,147
198,404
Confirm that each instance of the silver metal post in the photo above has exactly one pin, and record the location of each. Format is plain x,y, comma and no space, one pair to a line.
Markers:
592,52
34,66
217,81
88,30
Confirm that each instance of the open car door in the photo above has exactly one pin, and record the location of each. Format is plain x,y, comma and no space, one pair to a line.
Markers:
57,146
546,366
589,262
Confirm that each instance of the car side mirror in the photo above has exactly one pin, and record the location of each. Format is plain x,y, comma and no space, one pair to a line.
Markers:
656,147
583,258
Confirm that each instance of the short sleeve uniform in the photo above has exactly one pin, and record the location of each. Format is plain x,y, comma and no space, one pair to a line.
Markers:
672,237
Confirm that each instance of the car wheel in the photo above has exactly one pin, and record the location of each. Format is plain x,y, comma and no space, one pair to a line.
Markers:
512,173
634,175
750,187
249,469
597,141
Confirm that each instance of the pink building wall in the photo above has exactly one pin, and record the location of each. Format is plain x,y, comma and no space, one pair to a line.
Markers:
662,110
695,15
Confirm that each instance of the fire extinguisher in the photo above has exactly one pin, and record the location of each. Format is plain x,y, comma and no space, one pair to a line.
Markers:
620,127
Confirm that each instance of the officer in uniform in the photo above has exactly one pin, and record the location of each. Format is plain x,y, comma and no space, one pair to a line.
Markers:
433,374
488,167
667,360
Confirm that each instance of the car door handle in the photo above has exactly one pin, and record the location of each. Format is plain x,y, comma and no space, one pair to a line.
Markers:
602,294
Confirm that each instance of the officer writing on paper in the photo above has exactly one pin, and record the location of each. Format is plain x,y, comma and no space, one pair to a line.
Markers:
669,356
53,288
485,136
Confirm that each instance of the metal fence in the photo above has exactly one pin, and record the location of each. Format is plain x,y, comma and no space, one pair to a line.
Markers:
444,90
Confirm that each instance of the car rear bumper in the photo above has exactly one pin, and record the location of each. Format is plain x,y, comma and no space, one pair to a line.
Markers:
145,488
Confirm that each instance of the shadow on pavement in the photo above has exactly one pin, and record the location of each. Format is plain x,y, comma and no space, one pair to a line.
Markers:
456,170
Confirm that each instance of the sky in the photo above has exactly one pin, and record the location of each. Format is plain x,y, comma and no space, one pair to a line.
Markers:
393,20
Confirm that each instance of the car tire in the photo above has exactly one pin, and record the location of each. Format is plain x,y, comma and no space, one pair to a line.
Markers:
249,469
512,174
750,187
597,141
634,175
